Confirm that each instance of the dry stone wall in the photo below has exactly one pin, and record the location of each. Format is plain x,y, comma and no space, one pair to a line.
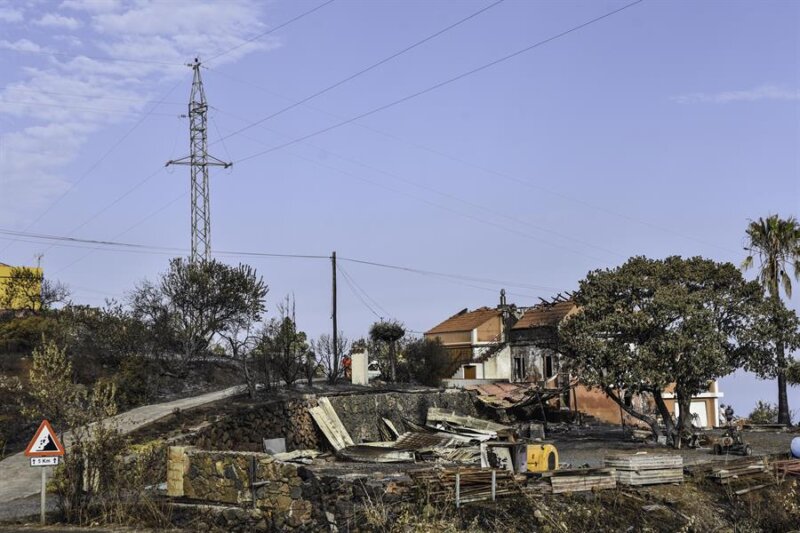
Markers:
246,491
250,481
360,414
244,430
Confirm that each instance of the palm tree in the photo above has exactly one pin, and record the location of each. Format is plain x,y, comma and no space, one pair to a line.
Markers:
776,243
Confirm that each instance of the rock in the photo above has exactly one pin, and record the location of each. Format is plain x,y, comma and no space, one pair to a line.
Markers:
235,514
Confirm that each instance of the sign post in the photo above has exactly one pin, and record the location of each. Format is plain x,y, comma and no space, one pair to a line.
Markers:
44,449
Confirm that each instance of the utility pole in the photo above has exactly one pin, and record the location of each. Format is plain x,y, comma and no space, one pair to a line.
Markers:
198,161
333,315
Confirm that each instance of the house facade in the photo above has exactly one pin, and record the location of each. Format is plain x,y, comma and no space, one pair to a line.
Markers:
33,288
520,345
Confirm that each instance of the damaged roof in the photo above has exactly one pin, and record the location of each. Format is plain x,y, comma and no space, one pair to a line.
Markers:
544,315
465,320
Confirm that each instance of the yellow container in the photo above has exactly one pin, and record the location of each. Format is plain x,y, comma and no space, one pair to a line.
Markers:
542,457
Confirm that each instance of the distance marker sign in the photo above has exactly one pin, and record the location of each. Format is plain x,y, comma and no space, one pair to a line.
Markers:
44,443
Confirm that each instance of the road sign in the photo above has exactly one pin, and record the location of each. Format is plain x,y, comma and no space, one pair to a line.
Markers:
45,443
44,461
44,449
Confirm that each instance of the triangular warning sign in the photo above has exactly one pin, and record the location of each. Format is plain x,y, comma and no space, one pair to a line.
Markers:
45,443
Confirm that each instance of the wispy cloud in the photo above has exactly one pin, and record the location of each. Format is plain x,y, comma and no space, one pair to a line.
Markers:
8,14
54,20
762,92
21,45
59,101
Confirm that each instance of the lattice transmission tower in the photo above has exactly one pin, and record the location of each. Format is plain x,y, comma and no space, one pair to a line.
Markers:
198,161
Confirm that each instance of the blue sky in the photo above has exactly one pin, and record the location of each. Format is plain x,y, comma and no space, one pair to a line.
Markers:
659,130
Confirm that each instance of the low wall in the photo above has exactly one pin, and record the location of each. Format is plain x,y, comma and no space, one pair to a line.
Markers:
360,414
254,492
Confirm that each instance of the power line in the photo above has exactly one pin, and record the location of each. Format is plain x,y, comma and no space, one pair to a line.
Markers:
351,285
62,240
397,177
150,176
368,68
504,175
94,165
361,289
272,30
443,274
440,84
513,230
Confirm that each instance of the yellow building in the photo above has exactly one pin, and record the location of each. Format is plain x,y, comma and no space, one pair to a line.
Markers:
28,293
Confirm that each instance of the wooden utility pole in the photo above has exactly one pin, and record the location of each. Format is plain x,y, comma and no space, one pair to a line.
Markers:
333,315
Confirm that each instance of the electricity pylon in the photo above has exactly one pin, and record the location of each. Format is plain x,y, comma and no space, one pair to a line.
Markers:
198,161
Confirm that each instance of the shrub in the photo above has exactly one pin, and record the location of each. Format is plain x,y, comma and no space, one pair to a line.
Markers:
427,361
764,413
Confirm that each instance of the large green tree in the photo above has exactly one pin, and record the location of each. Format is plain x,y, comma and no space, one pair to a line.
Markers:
193,302
775,242
649,324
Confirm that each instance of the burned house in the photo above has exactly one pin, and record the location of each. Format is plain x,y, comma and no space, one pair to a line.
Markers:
516,345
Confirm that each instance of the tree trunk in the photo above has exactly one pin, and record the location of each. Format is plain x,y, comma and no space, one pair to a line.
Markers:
649,420
684,403
248,377
666,417
784,417
392,363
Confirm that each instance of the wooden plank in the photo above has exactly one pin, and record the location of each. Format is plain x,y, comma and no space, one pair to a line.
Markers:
325,403
336,434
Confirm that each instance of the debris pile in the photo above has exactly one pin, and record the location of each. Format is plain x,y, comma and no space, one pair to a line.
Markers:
789,467
731,471
446,437
465,484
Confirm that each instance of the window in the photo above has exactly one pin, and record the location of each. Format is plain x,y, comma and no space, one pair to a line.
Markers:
548,366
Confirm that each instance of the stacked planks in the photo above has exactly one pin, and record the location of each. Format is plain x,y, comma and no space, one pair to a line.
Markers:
727,472
646,469
581,479
474,484
788,467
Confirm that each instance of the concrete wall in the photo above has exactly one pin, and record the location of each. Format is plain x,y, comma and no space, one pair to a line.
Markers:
498,366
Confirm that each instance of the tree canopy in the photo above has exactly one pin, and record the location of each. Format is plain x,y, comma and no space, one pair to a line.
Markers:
649,324
776,243
195,301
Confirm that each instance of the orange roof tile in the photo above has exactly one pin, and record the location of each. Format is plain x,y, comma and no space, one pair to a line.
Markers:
545,315
465,321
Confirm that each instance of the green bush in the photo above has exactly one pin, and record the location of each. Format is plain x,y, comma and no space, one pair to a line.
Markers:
764,413
136,381
427,361
23,334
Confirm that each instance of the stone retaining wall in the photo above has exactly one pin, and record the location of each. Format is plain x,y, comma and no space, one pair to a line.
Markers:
360,414
259,493
239,477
